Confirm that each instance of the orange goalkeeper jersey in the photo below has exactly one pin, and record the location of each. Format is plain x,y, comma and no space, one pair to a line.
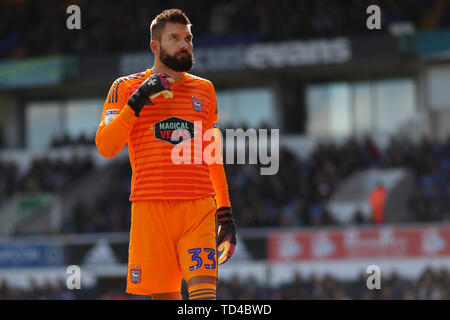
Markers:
152,136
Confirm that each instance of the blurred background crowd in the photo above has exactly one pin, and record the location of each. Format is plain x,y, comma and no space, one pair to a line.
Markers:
296,196
432,284
32,28
43,175
342,107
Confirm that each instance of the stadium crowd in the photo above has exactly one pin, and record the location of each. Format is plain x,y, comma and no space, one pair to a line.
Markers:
42,175
297,194
432,284
65,140
34,28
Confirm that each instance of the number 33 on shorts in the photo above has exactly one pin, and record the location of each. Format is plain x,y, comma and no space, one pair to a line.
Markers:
195,252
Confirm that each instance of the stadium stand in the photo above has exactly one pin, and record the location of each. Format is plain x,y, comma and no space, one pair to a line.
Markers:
433,284
43,175
294,199
30,28
298,194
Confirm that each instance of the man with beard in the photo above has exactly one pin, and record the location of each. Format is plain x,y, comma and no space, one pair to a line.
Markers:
174,206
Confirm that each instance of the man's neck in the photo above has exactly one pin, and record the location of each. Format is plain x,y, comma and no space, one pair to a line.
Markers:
161,68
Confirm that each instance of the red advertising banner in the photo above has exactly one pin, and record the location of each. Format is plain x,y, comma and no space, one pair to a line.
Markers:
359,243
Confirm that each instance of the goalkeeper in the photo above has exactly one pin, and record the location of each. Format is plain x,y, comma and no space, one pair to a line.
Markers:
182,224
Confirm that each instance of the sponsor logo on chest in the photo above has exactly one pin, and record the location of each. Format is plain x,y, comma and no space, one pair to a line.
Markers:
174,130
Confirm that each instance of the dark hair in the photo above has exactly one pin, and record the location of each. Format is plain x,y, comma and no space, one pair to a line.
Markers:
170,15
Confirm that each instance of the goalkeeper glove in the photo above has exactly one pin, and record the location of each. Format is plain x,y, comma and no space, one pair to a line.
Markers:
226,238
152,87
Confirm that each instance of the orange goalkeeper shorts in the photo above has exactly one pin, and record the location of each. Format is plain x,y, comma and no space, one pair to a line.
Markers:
170,240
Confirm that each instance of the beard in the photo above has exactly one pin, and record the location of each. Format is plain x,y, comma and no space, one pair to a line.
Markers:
185,63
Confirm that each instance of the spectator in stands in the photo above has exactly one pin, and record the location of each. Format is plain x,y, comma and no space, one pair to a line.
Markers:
377,201
358,217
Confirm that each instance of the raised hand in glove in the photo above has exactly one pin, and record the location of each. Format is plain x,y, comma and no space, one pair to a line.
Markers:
153,86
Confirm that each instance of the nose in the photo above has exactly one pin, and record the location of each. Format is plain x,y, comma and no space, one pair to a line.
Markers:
184,45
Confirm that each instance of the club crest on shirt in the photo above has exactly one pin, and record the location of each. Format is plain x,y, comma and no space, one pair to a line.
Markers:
197,103
135,274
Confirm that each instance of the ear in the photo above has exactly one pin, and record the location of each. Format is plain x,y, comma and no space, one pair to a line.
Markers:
154,47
